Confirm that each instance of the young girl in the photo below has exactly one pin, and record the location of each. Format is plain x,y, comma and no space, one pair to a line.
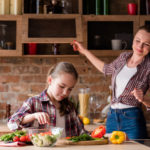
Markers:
52,106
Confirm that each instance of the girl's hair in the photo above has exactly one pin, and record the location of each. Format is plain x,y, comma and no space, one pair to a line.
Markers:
66,106
62,67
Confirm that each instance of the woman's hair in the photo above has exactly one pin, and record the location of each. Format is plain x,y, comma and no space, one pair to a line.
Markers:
145,27
66,106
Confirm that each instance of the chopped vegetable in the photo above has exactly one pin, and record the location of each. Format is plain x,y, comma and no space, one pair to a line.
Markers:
82,137
68,137
43,139
23,138
15,139
9,137
117,137
99,132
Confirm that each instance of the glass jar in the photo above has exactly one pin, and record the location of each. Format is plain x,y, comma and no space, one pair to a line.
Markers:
16,7
4,7
84,101
66,6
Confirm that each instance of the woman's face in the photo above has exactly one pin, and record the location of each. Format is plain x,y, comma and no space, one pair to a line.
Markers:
61,86
141,43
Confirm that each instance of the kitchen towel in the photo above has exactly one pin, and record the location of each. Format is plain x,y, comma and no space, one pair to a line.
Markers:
12,144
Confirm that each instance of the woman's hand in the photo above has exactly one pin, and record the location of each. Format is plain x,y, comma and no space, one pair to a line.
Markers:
78,47
138,93
42,117
99,64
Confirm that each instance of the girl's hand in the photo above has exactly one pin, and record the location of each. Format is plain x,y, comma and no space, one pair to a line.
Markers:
42,117
138,93
78,47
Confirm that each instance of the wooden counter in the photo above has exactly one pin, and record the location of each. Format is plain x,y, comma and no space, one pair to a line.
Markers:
131,145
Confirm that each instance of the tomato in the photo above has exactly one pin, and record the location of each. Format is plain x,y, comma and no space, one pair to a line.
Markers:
98,132
28,138
46,133
68,137
23,138
15,139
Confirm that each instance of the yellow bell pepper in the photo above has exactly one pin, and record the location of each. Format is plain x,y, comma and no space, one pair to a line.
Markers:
117,137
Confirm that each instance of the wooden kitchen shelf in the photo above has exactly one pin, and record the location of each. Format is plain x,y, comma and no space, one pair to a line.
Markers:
56,28
144,19
13,34
110,53
41,29
107,27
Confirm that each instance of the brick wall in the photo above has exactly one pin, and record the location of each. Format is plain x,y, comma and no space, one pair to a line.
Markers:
20,77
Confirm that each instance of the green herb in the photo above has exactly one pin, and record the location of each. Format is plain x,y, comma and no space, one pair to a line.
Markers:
10,136
82,137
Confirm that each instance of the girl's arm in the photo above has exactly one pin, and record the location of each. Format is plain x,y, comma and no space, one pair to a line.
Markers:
41,117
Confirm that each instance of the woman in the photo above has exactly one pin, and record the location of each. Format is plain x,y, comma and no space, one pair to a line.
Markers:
130,74
52,106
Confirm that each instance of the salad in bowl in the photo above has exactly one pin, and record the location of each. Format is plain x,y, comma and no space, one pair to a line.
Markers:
45,137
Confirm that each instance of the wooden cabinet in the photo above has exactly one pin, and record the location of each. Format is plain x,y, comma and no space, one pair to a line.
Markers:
51,28
13,35
47,29
99,30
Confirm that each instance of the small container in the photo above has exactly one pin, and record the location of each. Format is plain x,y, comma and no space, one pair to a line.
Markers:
32,48
4,7
84,101
132,9
16,7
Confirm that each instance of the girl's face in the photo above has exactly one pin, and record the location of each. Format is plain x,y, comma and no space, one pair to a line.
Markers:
61,86
141,43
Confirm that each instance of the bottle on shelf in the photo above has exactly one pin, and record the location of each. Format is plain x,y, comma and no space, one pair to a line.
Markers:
3,36
39,6
34,6
16,7
54,7
105,7
98,7
55,49
66,6
4,7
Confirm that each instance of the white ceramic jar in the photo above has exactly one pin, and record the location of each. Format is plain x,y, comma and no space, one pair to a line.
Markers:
16,7
4,7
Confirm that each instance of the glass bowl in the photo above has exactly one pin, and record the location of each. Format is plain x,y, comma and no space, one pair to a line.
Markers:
45,137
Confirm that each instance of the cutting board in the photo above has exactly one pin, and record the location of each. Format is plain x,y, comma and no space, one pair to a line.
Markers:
95,142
